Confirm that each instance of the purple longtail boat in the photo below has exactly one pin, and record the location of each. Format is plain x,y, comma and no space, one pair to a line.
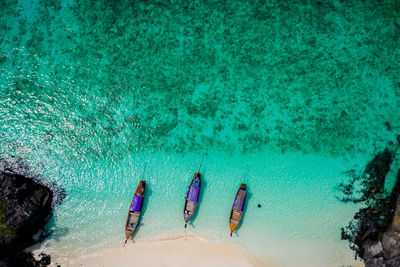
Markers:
237,208
191,199
134,210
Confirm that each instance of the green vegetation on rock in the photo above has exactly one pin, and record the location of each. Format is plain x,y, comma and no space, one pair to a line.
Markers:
7,232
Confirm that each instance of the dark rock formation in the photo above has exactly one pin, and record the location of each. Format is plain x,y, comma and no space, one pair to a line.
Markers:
368,223
384,251
25,206
375,173
28,205
22,259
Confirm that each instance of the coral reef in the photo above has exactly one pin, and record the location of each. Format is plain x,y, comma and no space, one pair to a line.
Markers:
125,77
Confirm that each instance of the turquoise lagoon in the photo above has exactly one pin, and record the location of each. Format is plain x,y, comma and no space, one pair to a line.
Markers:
294,94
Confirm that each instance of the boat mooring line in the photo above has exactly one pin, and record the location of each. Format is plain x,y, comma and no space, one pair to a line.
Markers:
201,161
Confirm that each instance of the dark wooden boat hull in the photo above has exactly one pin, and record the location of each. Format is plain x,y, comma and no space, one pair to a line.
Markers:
237,208
133,218
190,207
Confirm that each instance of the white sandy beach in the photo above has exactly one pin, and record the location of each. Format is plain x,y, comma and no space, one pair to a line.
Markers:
181,250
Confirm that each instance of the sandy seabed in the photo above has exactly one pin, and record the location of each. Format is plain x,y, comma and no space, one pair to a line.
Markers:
179,250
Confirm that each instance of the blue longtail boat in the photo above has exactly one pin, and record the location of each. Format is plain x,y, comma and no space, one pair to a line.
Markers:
134,210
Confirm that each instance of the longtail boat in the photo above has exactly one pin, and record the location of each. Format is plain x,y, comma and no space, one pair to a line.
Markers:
192,196
134,211
237,208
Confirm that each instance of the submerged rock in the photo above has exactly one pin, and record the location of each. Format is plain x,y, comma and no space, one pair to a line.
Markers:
375,173
25,208
370,184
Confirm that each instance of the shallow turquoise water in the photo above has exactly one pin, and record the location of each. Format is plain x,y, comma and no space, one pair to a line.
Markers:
295,93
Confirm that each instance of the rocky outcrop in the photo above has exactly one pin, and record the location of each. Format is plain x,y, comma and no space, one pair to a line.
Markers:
374,232
25,206
385,250
22,259
372,220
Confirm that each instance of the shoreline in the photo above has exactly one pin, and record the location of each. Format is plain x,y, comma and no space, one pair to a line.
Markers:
175,250
290,238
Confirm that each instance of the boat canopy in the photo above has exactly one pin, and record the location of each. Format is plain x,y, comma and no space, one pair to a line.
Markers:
193,193
196,182
136,203
239,203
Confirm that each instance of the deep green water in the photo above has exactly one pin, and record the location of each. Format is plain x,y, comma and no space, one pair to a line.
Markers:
297,92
